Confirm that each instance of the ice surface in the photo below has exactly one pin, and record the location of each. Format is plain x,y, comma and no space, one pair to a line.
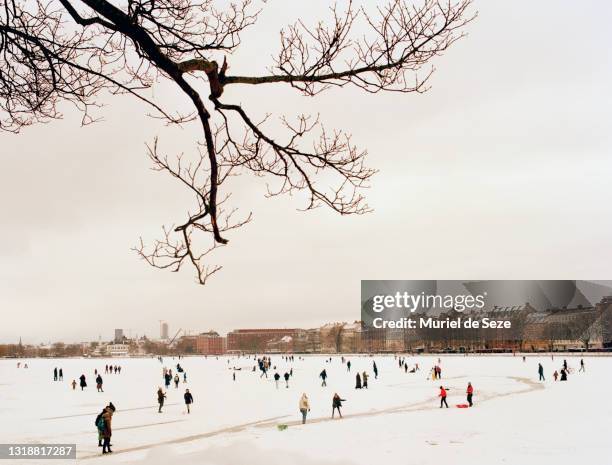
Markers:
515,420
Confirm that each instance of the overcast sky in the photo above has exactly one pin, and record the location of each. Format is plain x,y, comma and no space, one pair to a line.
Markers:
503,170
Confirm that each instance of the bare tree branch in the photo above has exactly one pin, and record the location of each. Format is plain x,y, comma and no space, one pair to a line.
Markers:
58,51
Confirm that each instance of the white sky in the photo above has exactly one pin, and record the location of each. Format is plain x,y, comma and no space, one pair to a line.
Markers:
503,170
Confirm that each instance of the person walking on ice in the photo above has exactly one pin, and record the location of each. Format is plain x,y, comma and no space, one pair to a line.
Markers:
286,376
375,369
304,406
74,383
357,381
442,396
188,399
323,376
160,399
176,380
276,379
348,366
364,377
541,372
581,365
470,392
83,383
336,404
99,384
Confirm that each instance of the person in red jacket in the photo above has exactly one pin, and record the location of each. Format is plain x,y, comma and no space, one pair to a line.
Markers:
470,393
442,396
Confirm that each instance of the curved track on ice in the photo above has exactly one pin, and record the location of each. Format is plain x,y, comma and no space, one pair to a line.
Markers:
427,404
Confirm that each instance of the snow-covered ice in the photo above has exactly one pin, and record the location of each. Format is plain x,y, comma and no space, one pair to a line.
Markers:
515,420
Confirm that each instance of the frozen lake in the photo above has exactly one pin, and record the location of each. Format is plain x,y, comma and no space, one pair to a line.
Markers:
515,420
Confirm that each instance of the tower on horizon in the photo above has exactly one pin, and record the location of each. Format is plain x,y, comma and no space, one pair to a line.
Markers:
118,336
164,330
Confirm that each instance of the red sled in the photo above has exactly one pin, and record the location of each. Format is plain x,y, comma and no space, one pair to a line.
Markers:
462,405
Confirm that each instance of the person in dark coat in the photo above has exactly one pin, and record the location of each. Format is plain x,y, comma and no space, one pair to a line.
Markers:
55,374
323,376
276,379
541,372
364,378
375,368
286,376
188,399
83,383
61,374
107,429
563,374
99,383
358,381
100,426
336,404
160,399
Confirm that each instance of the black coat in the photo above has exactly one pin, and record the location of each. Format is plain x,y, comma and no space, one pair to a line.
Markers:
188,398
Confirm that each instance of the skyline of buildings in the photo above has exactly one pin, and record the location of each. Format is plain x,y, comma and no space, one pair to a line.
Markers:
560,329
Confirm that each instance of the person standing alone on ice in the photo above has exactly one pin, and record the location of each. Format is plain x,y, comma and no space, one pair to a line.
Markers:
336,404
323,376
286,376
276,378
442,396
304,407
541,372
83,383
581,365
470,393
375,369
348,366
188,399
160,399
99,383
